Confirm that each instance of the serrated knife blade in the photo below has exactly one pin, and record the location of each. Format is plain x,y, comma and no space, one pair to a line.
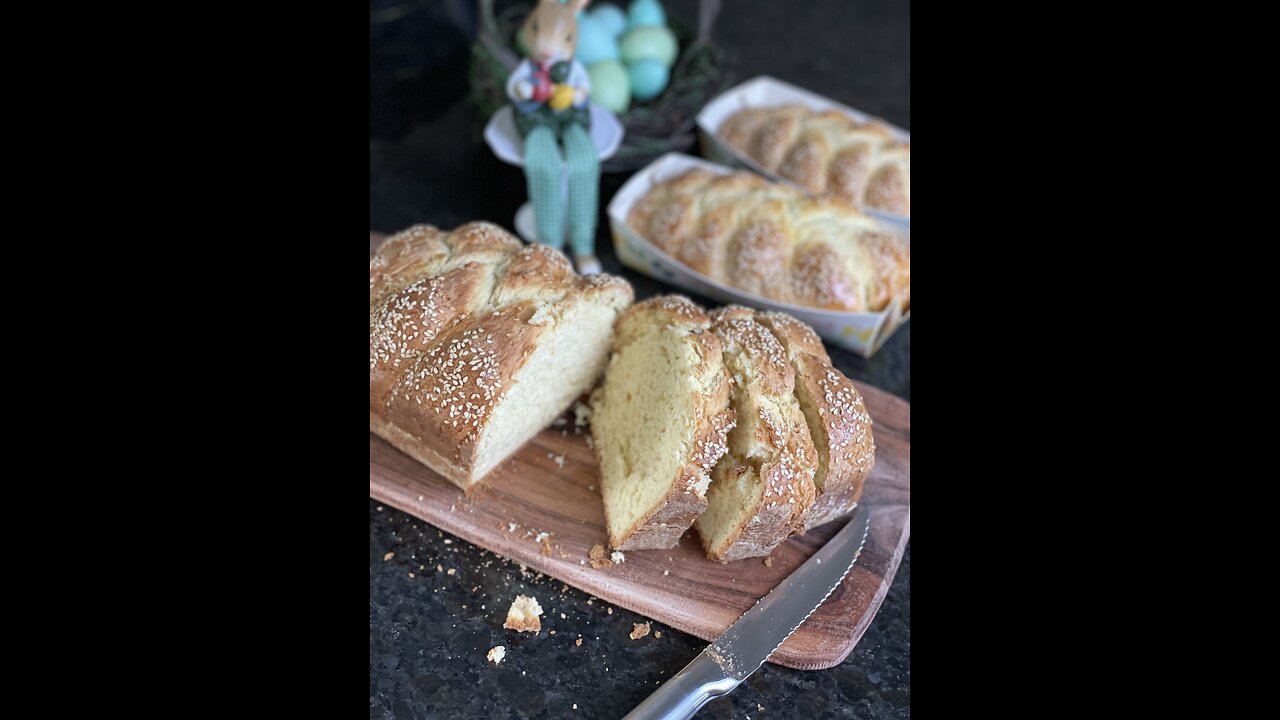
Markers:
749,642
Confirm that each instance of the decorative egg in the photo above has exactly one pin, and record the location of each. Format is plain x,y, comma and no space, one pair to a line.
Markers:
648,78
610,17
594,43
561,97
610,86
658,43
645,12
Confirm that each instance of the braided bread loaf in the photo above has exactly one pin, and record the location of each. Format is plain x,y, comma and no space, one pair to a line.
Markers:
826,152
750,396
477,342
775,241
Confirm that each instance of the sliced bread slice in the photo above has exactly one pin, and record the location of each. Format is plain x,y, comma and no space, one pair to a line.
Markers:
659,422
838,420
762,488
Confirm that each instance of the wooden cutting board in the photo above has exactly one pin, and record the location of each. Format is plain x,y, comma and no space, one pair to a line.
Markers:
679,587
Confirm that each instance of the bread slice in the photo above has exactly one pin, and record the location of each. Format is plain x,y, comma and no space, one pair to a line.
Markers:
838,421
659,422
477,342
762,488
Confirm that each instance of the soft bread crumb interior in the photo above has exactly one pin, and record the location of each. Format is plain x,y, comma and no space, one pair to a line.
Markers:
643,423
732,500
564,365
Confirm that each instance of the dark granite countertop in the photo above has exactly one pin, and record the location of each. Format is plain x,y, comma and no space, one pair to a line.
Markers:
429,633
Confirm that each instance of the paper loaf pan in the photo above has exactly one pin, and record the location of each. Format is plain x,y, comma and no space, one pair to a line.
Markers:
863,333
765,91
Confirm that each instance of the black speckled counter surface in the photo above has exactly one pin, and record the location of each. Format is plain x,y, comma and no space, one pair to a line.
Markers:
429,631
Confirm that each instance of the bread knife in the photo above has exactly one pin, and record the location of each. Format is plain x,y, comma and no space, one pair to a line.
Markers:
749,642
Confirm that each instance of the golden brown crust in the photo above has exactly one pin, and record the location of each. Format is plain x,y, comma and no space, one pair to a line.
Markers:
826,152
776,242
453,317
843,436
663,525
404,258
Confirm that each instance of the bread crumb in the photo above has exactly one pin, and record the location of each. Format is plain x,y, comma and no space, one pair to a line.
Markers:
448,542
452,507
546,547
597,556
759,707
581,414
558,459
496,654
439,569
575,706
419,498
768,562
511,527
388,556
542,536
523,614
639,630
618,557
610,611
666,572
410,574
657,634
562,617
451,571
578,642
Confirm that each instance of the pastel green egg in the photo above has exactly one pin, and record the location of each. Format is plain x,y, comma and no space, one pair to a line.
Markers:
645,12
595,44
610,17
648,78
610,87
658,43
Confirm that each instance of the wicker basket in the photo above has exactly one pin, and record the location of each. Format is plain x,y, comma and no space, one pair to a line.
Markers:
663,124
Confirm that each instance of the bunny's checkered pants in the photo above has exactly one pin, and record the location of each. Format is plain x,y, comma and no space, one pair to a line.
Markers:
542,169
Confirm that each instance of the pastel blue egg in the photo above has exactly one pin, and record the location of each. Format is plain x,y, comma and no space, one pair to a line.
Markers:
645,12
611,18
594,43
648,78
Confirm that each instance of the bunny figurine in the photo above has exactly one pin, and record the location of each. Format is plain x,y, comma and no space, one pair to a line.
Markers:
549,90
